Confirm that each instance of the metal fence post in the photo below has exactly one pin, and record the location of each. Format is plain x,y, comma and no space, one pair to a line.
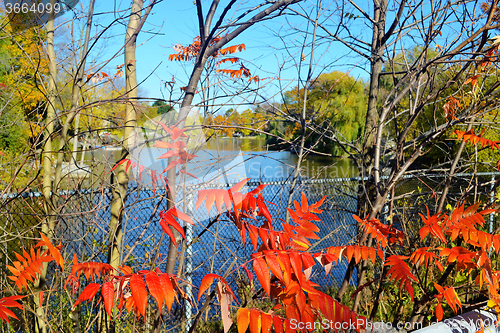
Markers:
189,263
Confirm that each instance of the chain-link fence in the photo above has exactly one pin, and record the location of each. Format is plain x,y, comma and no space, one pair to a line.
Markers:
214,245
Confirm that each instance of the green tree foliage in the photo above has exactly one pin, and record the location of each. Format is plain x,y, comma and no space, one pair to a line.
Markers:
14,130
392,73
336,102
463,93
95,117
162,107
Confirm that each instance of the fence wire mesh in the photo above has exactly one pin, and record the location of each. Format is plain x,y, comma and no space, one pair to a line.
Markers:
214,245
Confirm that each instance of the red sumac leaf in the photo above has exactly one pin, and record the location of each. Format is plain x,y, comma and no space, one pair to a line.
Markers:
262,272
139,293
253,232
202,194
168,290
40,298
267,322
210,199
165,227
400,271
296,265
9,302
249,274
263,210
439,312
219,200
108,296
88,293
205,283
54,251
155,288
177,213
172,222
237,187
274,265
177,132
278,324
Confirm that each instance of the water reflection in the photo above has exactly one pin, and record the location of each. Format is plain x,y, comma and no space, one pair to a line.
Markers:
231,159
263,163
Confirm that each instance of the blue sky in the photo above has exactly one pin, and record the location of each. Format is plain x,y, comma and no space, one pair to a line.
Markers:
272,47
176,22
266,54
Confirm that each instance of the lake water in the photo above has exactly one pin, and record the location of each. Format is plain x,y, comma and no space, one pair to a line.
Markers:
231,159
262,162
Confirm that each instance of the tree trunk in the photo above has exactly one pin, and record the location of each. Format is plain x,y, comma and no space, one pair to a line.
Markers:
207,33
171,174
367,190
122,178
48,224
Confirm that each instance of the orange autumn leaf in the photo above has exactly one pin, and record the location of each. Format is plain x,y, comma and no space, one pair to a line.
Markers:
399,271
168,290
205,283
232,49
439,312
255,321
432,224
472,80
91,270
28,266
262,272
450,295
474,139
108,296
451,107
242,319
54,251
155,288
9,302
422,256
